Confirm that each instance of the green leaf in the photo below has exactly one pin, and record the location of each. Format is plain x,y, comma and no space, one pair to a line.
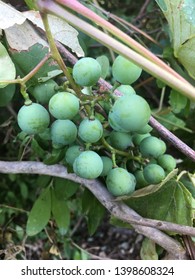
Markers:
6,94
171,122
186,55
188,9
94,211
177,101
36,149
181,20
105,65
56,156
162,4
39,214
148,250
27,60
8,71
65,188
31,4
170,202
60,212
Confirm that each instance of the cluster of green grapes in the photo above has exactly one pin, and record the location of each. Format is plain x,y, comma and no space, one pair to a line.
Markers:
106,134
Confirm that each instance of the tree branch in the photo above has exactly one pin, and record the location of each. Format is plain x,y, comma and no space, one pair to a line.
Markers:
147,227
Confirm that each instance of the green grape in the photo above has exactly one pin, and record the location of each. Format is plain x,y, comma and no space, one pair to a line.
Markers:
120,182
113,121
167,162
152,147
63,132
88,165
64,105
107,165
130,113
125,71
120,140
6,94
33,119
146,129
87,71
72,153
154,173
126,90
141,182
137,138
90,131
44,91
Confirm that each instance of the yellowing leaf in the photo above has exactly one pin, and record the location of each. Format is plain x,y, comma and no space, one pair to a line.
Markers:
9,16
7,69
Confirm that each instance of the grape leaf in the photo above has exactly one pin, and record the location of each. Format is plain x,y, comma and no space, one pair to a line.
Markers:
177,101
186,55
94,211
172,202
65,188
188,9
28,37
39,214
180,17
8,71
6,94
26,61
60,30
60,212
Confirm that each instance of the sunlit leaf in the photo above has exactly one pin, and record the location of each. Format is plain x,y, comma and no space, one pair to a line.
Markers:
8,71
172,202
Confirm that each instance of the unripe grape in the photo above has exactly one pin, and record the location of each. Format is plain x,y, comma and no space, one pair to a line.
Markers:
137,138
167,162
64,105
90,131
87,71
120,182
88,165
141,182
152,147
63,132
154,173
120,140
130,113
125,71
126,90
107,165
33,119
72,153
145,129
44,91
